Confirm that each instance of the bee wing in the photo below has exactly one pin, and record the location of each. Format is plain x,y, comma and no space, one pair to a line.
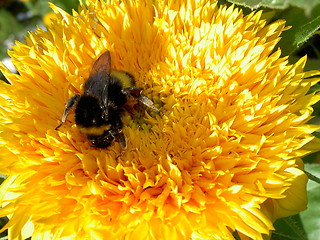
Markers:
98,81
102,64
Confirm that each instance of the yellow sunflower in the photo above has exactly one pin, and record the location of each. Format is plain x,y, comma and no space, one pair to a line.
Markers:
223,158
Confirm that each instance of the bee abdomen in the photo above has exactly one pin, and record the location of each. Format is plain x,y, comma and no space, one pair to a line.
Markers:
94,131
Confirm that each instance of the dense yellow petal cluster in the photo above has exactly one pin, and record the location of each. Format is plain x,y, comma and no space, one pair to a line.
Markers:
223,157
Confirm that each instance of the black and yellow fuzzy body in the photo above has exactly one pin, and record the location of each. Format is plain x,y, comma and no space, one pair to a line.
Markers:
99,109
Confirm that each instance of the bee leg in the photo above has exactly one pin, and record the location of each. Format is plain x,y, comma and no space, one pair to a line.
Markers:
129,110
122,140
132,91
147,101
71,102
136,93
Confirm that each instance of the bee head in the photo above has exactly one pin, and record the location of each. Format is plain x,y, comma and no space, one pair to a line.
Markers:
101,141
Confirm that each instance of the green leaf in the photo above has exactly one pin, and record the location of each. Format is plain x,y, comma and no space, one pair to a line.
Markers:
289,228
304,20
306,31
254,4
40,7
310,217
307,5
303,28
66,5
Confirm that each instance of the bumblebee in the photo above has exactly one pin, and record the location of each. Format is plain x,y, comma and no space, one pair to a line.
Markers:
99,109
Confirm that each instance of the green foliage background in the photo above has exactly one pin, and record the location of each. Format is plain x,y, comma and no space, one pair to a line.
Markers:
303,38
